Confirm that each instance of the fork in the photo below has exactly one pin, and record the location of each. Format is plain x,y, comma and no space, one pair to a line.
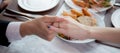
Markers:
24,14
16,16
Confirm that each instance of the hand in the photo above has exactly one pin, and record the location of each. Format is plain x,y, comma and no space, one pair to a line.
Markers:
71,28
39,27
4,4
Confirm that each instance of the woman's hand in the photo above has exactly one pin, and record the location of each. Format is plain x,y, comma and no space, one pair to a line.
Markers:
70,27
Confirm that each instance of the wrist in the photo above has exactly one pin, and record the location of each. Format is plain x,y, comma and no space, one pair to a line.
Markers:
92,32
87,32
26,29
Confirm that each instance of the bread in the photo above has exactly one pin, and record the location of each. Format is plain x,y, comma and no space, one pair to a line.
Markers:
86,20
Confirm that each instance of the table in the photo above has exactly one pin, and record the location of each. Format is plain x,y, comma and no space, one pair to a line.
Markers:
14,6
83,48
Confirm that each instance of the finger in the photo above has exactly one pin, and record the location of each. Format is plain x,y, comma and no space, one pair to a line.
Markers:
53,18
50,19
47,18
58,30
71,20
56,24
48,24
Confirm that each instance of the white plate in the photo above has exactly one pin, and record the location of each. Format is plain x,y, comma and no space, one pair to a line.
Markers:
37,5
72,5
100,23
77,41
116,18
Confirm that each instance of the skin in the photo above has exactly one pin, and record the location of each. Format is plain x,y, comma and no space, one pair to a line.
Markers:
106,34
4,4
39,27
70,27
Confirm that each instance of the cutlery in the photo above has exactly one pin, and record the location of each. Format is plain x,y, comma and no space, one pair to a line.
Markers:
24,14
117,4
16,16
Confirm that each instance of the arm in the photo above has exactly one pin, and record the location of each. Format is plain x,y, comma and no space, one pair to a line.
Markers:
106,34
16,30
69,27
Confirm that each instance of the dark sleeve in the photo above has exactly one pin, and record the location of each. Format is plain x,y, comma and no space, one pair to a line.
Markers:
3,38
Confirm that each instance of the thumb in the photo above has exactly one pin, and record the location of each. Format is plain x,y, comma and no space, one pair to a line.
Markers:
58,30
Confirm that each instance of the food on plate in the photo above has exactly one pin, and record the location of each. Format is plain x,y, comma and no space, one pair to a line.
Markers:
86,13
75,14
92,3
86,20
65,37
69,14
73,11
79,3
83,17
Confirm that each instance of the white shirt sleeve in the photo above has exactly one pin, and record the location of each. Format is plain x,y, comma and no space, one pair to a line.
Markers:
13,31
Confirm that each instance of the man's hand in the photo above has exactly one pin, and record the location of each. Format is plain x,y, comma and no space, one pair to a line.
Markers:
40,27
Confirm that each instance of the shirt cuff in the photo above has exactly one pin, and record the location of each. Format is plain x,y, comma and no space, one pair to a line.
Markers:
13,31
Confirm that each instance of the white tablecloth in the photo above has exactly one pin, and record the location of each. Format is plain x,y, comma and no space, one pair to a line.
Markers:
34,44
